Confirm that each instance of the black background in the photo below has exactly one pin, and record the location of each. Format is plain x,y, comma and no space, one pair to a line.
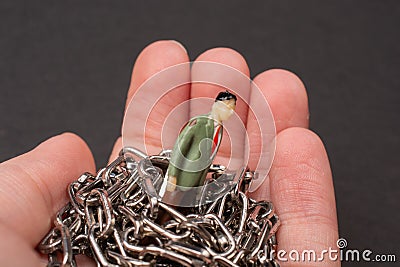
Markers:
66,65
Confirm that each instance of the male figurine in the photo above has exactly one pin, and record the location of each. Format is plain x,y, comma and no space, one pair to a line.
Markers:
198,143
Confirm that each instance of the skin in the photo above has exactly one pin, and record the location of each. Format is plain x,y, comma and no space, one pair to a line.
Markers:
33,185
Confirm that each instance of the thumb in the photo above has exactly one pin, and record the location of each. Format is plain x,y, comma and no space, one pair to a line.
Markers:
33,185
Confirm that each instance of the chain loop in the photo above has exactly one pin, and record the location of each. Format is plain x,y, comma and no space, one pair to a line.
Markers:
117,218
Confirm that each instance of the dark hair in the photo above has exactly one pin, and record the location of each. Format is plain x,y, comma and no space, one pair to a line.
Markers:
225,96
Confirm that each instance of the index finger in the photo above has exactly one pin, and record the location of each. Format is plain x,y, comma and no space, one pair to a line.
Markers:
154,58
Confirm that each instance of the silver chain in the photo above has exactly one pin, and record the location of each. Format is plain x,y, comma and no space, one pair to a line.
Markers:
115,218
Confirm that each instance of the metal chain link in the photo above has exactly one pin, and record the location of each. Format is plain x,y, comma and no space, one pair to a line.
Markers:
115,218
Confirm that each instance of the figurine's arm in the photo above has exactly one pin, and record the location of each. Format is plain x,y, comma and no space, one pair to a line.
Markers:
187,153
183,144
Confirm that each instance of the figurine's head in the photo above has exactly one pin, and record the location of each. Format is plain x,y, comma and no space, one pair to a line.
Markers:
224,106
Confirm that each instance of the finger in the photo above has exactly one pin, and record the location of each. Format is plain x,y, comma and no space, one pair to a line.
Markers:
286,96
287,99
33,185
154,58
303,194
14,251
236,81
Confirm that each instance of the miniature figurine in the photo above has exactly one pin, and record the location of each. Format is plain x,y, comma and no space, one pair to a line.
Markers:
198,143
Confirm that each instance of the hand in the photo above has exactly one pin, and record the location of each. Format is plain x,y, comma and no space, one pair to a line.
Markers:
33,185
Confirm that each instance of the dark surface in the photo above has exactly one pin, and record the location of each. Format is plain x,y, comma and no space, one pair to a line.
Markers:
65,66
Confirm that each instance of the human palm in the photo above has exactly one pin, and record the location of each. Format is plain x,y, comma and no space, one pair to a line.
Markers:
33,185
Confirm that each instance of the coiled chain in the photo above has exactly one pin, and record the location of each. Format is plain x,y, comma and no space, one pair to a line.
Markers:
115,218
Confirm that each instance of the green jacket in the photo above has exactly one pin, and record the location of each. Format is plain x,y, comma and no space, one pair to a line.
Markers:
194,151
